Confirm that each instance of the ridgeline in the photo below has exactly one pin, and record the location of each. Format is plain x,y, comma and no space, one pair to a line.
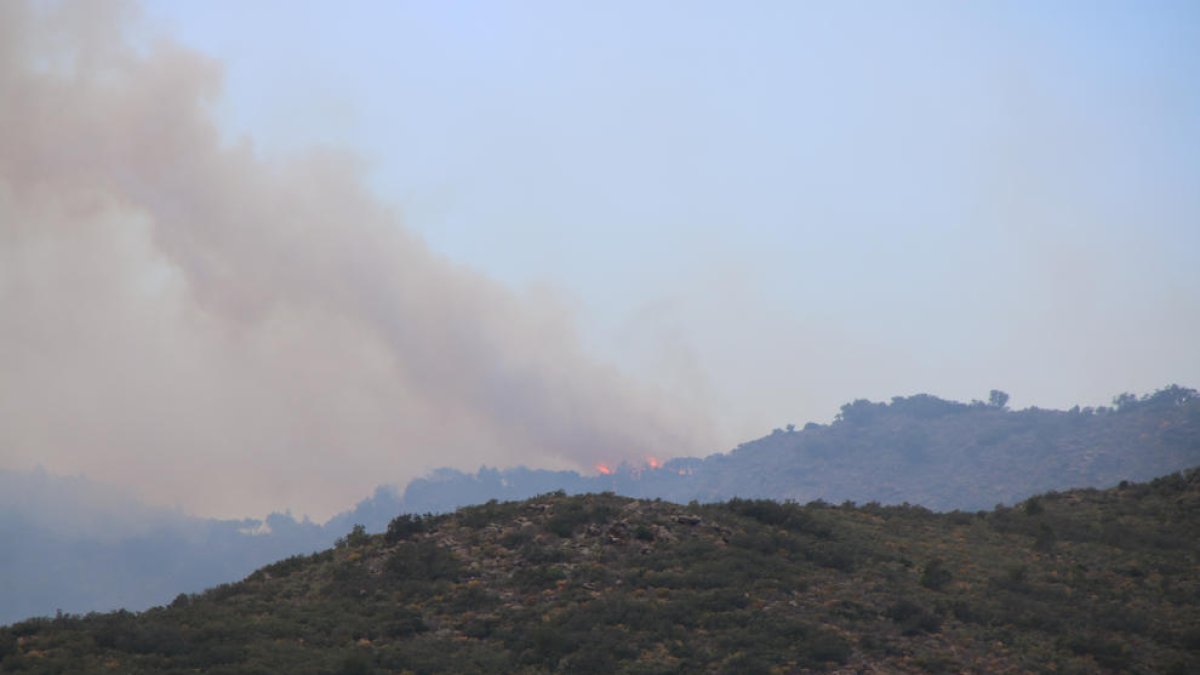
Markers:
920,449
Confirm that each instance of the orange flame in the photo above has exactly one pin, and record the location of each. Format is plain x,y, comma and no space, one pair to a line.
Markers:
603,469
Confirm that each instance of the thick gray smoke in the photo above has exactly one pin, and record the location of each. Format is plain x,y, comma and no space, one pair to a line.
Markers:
184,318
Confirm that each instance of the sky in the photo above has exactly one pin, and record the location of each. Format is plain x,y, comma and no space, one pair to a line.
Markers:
268,255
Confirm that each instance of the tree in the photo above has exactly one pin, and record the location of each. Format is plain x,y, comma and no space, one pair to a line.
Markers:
860,411
357,537
1124,402
997,399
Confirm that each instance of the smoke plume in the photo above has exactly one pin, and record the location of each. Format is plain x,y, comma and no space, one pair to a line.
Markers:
183,317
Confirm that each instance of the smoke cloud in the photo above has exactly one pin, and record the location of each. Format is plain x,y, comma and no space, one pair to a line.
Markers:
184,318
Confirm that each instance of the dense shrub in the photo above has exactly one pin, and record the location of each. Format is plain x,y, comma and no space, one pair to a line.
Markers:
935,575
570,516
423,561
404,526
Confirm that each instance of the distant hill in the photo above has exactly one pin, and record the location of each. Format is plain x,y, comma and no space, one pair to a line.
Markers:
1077,582
918,449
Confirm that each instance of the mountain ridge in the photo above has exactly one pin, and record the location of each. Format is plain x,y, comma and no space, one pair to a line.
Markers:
918,449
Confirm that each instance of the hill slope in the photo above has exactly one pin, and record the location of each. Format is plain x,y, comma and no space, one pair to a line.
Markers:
1082,581
918,449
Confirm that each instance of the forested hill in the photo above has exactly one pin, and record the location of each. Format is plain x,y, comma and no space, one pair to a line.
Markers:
946,455
918,449
1078,582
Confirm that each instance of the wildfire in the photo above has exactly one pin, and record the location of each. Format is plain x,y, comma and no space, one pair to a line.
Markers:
631,470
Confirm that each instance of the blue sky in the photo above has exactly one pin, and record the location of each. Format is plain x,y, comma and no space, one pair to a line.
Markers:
751,212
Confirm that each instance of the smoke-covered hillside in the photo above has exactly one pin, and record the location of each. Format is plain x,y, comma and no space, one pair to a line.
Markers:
919,449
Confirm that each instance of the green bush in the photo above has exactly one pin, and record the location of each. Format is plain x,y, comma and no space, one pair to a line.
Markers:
423,561
404,526
913,618
935,575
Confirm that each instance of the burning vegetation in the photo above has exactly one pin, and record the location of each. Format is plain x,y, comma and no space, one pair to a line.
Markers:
629,469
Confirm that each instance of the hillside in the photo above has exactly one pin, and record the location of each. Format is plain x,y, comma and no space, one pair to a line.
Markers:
920,449
1081,581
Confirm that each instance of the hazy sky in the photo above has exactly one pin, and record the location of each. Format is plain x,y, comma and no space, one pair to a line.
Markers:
269,254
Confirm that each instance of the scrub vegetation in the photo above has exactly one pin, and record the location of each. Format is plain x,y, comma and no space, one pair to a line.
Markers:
1075,582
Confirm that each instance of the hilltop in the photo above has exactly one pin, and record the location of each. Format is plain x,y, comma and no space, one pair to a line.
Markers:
1079,581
